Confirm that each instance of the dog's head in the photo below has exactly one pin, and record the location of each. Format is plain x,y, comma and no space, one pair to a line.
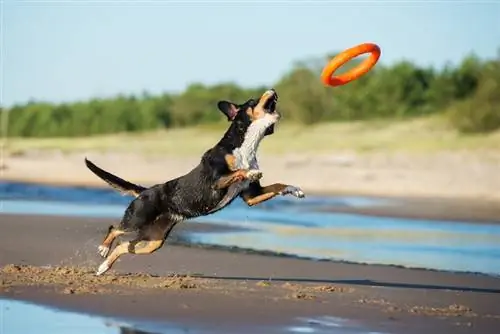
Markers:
260,114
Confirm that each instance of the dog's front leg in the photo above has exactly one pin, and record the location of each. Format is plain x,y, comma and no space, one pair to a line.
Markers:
257,194
239,175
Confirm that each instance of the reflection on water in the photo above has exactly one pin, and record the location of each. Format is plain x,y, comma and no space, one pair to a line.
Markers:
295,227
18,317
328,324
47,320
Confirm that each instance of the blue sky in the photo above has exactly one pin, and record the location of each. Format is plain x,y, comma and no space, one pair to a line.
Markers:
70,50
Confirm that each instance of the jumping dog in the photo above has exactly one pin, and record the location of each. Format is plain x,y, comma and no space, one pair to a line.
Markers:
226,171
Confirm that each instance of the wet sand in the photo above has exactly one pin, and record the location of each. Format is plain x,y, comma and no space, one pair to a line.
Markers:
51,260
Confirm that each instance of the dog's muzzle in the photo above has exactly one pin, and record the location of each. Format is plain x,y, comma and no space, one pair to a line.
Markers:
272,101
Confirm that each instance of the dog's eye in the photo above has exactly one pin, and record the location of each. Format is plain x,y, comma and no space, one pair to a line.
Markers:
252,103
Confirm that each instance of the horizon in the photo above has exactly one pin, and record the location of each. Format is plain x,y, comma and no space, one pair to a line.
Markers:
110,48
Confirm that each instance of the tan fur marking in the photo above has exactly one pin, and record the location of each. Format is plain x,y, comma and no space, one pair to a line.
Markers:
255,113
226,181
268,192
142,247
153,239
111,236
231,162
258,111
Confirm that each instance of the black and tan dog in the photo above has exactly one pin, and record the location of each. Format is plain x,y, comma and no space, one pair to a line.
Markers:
226,171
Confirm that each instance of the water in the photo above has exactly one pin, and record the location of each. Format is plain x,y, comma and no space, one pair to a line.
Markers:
297,227
54,321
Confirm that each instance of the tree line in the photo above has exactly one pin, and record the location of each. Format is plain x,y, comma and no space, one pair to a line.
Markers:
467,94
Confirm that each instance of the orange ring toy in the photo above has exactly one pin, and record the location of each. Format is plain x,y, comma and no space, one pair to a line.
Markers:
327,75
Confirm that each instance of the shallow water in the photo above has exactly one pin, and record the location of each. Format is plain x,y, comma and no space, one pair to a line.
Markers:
296,227
42,319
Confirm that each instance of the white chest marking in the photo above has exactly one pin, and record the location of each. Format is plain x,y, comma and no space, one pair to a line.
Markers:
246,156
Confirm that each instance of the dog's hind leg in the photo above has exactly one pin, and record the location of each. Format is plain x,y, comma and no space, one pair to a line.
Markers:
148,242
133,247
104,248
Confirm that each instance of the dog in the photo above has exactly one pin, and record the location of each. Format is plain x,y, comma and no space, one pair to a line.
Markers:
226,171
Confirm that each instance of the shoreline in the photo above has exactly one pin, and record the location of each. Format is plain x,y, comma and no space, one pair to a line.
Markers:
178,238
367,193
100,184
55,266
447,175
471,210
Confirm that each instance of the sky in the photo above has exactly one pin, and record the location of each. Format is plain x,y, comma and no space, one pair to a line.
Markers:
62,51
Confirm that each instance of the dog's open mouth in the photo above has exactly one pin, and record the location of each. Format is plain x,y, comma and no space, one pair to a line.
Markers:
270,105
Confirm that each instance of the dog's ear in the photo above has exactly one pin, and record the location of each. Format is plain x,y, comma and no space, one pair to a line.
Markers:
228,108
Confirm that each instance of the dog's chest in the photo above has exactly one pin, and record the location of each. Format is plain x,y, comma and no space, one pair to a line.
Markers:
245,158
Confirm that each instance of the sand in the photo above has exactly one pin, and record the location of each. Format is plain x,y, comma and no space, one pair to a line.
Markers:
51,260
453,174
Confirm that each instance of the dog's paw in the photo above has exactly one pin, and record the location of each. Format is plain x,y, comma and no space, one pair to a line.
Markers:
254,175
103,250
292,190
102,268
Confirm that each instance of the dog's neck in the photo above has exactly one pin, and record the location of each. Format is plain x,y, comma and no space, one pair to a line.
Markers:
246,154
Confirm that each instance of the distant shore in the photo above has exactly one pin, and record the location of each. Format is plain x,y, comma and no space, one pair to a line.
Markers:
54,264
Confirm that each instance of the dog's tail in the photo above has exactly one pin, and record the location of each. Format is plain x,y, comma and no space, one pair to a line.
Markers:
125,187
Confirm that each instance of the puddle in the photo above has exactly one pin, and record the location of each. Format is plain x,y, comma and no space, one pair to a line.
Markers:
328,324
13,320
452,246
53,208
49,320
295,227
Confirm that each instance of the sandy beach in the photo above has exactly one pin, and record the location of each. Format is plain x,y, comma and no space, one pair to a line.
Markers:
376,146
51,260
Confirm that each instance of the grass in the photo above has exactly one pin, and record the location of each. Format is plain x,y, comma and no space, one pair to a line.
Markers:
424,135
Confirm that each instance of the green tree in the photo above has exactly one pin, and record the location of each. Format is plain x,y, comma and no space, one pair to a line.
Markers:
467,93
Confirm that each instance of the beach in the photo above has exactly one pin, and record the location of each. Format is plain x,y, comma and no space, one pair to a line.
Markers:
388,221
51,261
